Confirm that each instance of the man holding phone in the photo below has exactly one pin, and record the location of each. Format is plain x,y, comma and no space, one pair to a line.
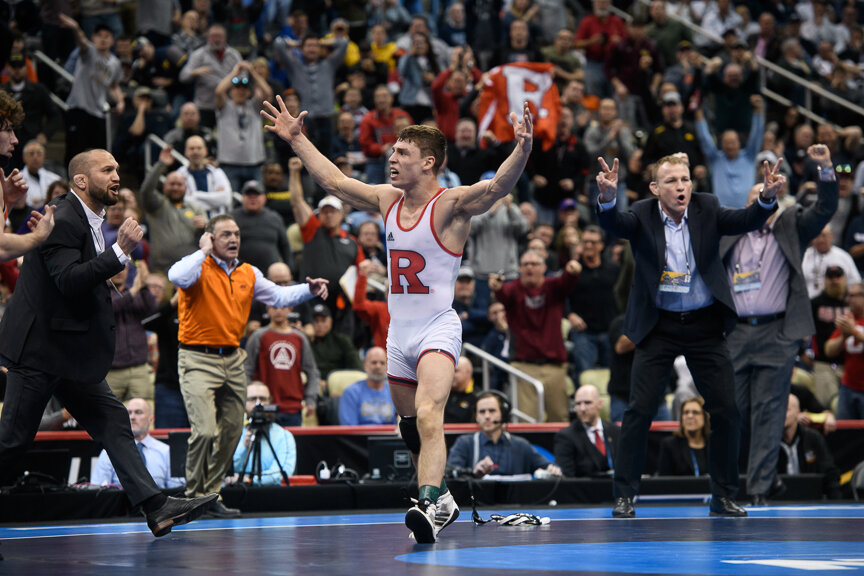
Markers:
216,293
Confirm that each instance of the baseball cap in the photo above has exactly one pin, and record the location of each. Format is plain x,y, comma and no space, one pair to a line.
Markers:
834,272
17,60
252,187
671,98
331,201
567,204
320,310
685,45
843,170
465,272
143,92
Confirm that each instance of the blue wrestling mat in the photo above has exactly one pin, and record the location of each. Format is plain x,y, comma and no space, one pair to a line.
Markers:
675,540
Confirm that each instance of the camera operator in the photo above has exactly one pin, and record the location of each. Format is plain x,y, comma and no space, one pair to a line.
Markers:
261,422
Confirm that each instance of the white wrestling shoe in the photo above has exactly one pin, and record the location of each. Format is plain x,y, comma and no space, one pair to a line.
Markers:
448,511
421,521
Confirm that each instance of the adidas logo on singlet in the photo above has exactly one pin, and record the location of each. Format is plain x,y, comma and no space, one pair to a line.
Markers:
390,237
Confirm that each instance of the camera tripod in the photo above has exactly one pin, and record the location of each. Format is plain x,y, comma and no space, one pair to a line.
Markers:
258,432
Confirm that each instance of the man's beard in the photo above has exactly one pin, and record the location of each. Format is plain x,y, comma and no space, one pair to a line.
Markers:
102,196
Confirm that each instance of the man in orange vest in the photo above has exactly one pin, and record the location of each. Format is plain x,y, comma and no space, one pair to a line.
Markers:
216,293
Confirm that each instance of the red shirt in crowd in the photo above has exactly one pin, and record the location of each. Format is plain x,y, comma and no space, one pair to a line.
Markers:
534,316
853,351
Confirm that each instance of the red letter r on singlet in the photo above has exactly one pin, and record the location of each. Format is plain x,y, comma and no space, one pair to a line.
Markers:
410,269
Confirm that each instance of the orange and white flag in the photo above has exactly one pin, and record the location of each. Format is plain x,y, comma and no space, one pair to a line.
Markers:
504,91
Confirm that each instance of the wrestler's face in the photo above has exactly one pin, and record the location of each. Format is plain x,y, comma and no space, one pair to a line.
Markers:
673,187
7,141
488,414
407,164
226,240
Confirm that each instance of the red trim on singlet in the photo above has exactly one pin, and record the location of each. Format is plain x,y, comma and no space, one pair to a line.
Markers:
435,234
387,214
399,211
440,351
397,381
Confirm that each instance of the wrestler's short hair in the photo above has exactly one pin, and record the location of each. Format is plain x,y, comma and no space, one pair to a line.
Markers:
11,112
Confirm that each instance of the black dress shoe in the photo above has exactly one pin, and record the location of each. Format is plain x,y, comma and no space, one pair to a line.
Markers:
219,510
177,511
624,508
778,488
758,500
725,506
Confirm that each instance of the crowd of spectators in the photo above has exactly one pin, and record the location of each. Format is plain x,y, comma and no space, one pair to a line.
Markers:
541,284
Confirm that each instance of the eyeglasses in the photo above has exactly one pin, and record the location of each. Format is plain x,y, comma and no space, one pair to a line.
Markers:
843,169
691,413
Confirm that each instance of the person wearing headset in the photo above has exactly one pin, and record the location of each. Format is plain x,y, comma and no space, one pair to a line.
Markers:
493,451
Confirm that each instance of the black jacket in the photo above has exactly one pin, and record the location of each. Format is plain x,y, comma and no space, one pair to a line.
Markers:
708,221
60,320
577,456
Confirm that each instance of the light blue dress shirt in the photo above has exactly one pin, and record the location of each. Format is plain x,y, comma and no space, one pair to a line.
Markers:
158,459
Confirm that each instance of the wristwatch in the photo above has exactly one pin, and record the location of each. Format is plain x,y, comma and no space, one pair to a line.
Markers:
826,174
766,200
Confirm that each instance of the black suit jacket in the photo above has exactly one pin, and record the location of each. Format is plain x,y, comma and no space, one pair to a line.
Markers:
60,320
708,221
577,456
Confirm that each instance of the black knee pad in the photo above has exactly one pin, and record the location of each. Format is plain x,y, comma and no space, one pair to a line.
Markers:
408,428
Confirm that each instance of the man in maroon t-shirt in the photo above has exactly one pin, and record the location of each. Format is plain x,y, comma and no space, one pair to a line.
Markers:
535,307
277,355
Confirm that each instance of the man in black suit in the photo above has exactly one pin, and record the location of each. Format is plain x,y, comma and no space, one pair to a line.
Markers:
587,447
57,337
680,303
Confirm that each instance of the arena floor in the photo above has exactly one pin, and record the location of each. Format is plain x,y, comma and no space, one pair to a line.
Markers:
775,540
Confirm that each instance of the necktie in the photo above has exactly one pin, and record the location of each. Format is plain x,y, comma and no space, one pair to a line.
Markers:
598,441
141,452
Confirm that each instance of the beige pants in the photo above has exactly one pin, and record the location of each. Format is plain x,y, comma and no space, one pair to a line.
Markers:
214,391
132,382
554,379
826,382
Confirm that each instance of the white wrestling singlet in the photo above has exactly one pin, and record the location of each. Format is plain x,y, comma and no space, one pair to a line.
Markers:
422,273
